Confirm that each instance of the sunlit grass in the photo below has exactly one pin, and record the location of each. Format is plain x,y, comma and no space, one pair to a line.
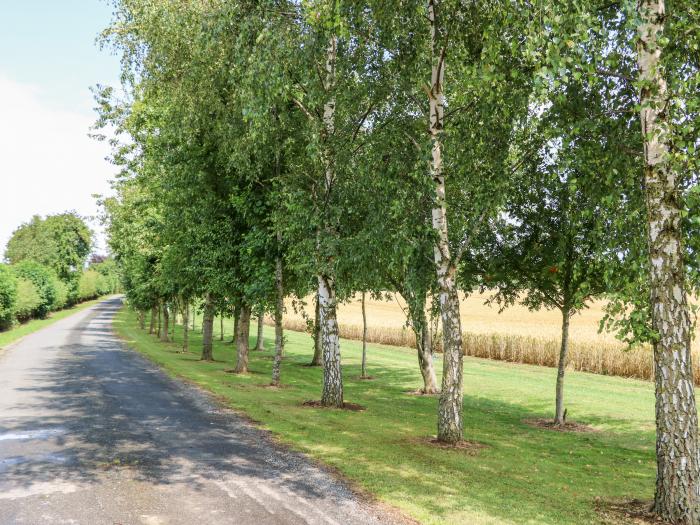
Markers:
523,475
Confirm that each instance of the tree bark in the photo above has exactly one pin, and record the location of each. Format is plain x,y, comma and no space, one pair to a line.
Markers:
260,342
173,321
677,497
166,323
242,339
160,323
185,327
563,352
194,316
416,302
363,373
142,319
236,318
279,335
152,326
221,327
450,406
332,374
208,328
332,395
317,359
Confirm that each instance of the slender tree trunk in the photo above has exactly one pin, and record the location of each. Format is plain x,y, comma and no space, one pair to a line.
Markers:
363,373
160,320
242,339
142,319
208,328
450,406
166,323
279,335
317,359
221,327
185,331
152,326
173,314
332,374
260,342
677,497
416,302
194,316
425,360
236,318
563,352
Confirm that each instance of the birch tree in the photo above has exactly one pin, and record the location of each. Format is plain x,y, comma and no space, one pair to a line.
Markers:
678,465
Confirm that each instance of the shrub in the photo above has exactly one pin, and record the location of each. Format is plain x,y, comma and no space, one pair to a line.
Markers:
28,300
62,291
44,281
88,285
104,287
107,267
8,296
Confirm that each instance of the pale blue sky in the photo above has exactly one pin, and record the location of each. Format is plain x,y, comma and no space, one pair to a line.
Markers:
48,61
51,43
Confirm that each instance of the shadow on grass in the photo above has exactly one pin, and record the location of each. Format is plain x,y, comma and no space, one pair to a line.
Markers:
385,448
98,406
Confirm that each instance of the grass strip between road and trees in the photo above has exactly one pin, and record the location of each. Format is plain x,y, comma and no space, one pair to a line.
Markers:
516,472
19,331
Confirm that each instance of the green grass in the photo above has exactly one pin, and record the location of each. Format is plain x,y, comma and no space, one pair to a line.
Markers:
10,336
524,475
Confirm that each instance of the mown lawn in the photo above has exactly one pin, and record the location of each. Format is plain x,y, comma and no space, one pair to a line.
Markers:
522,475
10,336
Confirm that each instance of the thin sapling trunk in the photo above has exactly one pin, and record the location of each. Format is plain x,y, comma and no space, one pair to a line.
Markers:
208,328
242,340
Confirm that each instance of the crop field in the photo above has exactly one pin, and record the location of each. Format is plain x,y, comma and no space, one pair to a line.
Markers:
515,334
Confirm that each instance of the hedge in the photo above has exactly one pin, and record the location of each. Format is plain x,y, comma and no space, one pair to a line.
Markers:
8,296
44,281
29,300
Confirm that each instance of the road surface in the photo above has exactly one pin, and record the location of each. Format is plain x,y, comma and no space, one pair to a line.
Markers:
91,433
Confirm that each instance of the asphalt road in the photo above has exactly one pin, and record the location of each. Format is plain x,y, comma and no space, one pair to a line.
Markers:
91,433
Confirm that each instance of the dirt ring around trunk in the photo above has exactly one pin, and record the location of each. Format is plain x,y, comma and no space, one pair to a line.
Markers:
353,407
548,424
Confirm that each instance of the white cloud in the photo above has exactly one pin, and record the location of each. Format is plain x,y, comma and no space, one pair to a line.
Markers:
48,163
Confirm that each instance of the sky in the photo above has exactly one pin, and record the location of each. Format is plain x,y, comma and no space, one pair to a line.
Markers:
48,61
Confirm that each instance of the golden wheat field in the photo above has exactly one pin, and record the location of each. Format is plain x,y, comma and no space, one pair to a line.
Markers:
515,335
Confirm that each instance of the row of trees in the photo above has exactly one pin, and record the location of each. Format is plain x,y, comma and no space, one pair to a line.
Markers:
282,148
47,269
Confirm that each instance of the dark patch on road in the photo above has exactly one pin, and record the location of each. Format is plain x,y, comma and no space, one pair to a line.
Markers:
91,432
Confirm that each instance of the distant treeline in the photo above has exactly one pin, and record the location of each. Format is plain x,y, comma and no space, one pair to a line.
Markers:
47,269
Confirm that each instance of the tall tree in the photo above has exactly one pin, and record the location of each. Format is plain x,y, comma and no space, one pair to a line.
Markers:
678,464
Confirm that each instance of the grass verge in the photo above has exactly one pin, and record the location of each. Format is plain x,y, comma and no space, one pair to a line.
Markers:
14,334
518,473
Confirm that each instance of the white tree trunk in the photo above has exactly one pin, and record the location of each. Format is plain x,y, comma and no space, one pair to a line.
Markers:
450,406
363,372
279,334
332,377
561,370
677,497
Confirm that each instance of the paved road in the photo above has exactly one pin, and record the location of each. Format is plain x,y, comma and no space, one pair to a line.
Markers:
91,433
